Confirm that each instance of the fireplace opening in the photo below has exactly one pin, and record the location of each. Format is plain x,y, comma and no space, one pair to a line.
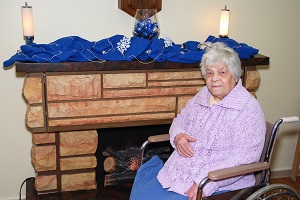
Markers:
126,138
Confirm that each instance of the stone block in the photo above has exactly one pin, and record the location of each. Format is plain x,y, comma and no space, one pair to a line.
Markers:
82,181
44,183
35,117
151,92
174,75
252,80
71,87
86,162
33,89
124,80
111,107
176,83
78,142
43,157
43,138
182,101
104,121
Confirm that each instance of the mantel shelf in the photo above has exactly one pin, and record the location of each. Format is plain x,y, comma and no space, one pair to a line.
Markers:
121,65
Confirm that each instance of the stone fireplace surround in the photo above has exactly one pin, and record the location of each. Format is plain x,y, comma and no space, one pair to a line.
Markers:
69,102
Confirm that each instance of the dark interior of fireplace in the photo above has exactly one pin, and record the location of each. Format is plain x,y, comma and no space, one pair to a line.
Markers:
122,138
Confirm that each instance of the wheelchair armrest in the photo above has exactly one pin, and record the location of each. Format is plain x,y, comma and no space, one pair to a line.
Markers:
159,138
151,139
237,171
230,173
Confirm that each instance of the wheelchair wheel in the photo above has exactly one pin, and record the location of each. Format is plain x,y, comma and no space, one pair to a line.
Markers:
275,191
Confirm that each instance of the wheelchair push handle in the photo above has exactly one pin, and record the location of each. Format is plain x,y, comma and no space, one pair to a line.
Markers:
290,119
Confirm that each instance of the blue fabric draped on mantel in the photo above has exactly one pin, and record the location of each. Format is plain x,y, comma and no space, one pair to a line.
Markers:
120,48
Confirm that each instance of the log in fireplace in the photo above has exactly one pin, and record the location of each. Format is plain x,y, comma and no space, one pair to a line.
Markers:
70,104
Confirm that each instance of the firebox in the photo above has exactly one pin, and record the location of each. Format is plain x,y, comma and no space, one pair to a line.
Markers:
118,152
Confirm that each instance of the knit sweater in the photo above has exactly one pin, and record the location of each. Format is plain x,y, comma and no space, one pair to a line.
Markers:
229,133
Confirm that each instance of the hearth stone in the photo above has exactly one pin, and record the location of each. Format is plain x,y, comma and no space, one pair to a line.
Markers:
108,193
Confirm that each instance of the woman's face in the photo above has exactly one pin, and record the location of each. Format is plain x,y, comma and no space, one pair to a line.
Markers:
220,81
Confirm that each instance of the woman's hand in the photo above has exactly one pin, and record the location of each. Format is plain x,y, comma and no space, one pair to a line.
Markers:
182,143
192,192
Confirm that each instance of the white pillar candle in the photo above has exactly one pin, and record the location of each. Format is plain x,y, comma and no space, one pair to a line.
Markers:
27,20
224,22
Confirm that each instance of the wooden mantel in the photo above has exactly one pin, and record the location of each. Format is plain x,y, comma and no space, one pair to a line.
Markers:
121,65
67,103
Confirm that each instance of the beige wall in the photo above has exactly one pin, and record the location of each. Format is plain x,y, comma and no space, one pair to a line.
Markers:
269,25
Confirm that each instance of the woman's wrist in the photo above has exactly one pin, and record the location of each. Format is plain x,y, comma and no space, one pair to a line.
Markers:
177,137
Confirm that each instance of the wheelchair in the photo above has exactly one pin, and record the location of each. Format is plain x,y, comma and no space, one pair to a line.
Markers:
262,190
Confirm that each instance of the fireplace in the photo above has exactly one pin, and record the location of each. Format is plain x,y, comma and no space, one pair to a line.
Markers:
69,104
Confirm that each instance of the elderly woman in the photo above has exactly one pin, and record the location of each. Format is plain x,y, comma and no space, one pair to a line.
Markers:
223,125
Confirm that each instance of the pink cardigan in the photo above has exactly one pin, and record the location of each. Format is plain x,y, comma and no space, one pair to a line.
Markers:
229,133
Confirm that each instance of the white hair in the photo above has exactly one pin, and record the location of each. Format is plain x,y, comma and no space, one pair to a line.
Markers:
219,53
